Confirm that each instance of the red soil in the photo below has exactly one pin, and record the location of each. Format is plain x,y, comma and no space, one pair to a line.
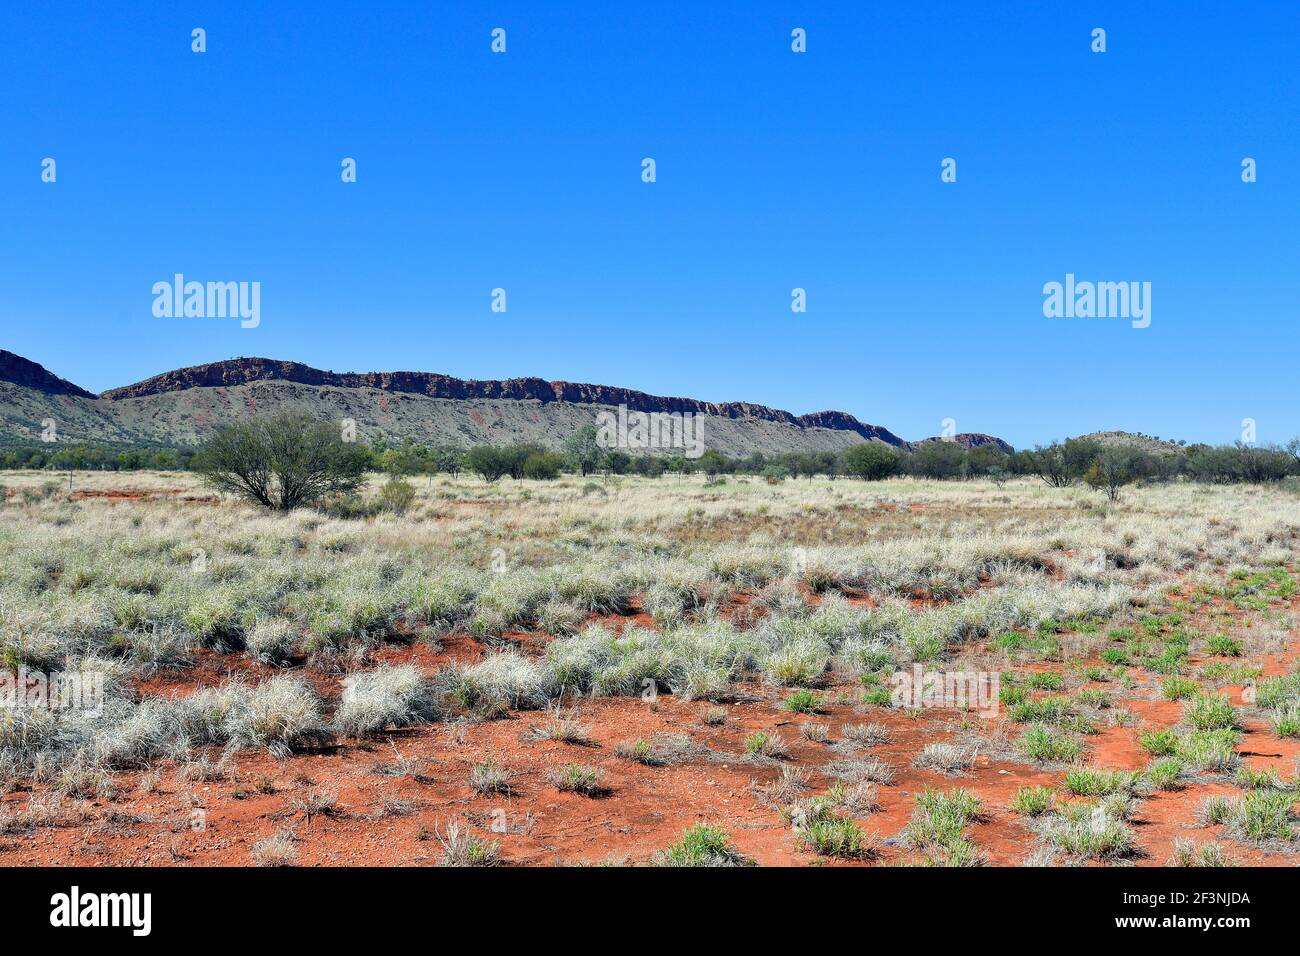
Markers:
391,820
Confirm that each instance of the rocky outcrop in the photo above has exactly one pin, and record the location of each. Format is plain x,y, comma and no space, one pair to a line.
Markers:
21,371
969,440
243,371
180,406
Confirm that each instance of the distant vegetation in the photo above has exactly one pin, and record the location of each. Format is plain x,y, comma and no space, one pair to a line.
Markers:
1101,461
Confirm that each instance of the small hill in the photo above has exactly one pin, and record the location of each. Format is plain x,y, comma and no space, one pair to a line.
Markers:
969,440
1147,443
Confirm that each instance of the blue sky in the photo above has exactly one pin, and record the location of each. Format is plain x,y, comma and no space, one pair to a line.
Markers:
775,170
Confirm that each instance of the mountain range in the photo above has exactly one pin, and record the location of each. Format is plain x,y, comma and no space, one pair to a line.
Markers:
178,408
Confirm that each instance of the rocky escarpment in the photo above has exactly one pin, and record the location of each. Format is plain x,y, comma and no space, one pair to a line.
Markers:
181,407
969,440
26,373
243,371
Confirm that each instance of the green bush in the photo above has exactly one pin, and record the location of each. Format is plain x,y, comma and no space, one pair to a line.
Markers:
396,495
543,466
282,462
871,460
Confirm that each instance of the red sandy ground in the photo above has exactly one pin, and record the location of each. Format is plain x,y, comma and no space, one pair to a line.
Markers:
645,810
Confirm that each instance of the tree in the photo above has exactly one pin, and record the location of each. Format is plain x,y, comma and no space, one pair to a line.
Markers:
543,465
1049,464
406,459
712,463
514,457
450,460
827,463
651,466
871,460
617,463
985,460
584,450
487,461
939,459
1268,463
1114,467
282,462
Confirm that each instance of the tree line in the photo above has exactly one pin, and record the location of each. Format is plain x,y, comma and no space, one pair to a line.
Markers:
1106,466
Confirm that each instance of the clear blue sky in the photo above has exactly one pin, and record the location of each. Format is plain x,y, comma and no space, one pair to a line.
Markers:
775,170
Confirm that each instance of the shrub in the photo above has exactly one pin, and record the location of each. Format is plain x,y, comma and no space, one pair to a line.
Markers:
396,495
488,461
543,466
282,462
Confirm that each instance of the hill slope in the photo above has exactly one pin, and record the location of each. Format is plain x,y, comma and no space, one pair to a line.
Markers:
180,407
1152,446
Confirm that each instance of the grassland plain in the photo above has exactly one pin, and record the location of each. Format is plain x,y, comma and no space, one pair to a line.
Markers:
651,671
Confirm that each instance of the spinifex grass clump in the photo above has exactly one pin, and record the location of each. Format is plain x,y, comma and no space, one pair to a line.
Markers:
1034,801
1094,831
938,826
701,845
1048,745
1211,712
